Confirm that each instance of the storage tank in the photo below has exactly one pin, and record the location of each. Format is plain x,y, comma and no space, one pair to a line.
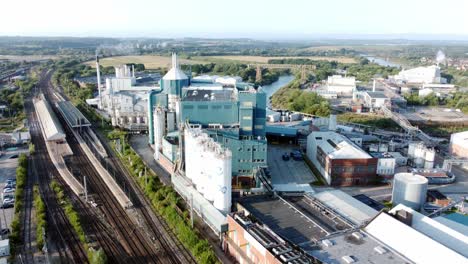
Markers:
159,129
409,189
222,183
411,148
332,123
429,158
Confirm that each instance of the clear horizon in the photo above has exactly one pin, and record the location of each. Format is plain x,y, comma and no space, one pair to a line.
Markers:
300,19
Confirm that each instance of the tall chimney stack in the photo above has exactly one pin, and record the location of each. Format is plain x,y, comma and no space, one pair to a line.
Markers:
373,86
98,81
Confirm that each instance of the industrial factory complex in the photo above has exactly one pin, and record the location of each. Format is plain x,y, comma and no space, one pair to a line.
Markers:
214,136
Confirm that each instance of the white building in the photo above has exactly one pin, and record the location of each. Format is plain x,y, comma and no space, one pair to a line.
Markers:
419,238
430,74
341,85
386,164
375,99
459,145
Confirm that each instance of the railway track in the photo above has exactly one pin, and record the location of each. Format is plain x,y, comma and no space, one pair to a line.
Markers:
60,229
158,227
27,250
123,240
136,248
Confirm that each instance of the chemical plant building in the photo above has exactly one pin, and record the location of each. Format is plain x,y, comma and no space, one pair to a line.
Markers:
340,161
124,99
232,113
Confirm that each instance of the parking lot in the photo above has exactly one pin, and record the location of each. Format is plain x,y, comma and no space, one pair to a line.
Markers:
8,165
290,171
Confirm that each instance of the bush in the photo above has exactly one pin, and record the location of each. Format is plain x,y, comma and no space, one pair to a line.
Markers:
41,220
21,175
94,256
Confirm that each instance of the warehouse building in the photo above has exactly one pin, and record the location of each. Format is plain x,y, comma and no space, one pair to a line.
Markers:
419,238
340,161
459,144
375,99
341,85
423,75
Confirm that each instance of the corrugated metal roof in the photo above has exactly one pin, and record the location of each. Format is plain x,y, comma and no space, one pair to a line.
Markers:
347,206
49,122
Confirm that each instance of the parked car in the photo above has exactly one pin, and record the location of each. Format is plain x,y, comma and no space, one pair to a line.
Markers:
8,199
4,231
11,180
10,185
8,190
296,155
285,156
14,156
8,205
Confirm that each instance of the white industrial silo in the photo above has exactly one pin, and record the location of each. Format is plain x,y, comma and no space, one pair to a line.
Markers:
189,152
429,158
411,147
159,129
332,123
409,189
222,184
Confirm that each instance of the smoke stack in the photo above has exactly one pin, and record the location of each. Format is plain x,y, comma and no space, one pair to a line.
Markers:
373,86
133,70
98,73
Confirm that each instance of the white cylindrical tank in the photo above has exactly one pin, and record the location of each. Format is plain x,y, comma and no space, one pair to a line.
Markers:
159,123
409,189
222,184
332,123
411,148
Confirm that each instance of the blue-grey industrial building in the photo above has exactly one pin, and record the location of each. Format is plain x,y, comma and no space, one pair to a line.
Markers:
234,115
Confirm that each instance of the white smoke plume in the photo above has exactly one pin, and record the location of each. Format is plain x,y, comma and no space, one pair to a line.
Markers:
440,57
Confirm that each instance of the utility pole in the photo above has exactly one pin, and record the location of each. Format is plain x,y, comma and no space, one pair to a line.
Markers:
85,189
191,210
45,249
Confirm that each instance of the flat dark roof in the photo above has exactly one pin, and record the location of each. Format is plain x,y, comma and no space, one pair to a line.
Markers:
294,219
369,201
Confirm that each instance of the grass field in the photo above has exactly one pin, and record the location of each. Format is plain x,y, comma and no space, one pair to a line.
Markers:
261,59
154,61
150,61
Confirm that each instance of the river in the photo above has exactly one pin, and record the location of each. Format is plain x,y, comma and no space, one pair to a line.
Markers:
381,61
270,89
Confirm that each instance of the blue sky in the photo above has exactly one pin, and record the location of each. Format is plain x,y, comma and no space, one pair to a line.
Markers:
240,18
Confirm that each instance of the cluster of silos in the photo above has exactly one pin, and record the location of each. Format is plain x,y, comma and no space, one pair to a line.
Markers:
420,155
409,189
209,166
